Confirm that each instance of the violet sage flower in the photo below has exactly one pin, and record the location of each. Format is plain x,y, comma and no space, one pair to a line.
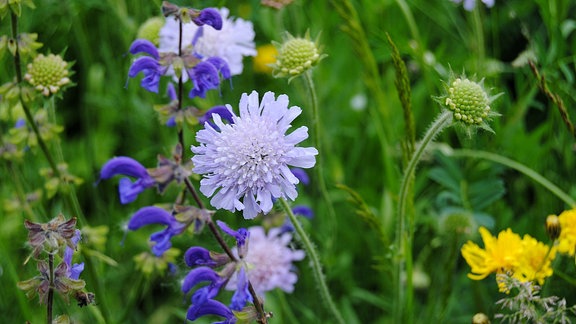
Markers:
127,189
246,163
155,215
150,65
74,270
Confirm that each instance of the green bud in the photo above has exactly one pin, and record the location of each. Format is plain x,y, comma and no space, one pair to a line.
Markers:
296,56
150,30
48,74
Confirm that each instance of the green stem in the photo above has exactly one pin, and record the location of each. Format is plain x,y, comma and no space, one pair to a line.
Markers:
316,128
521,168
479,33
314,261
405,225
50,301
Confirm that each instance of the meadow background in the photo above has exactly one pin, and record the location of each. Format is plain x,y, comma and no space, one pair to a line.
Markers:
106,115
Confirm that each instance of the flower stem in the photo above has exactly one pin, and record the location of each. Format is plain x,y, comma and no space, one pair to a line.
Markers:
50,300
521,168
318,144
262,317
405,225
479,31
314,261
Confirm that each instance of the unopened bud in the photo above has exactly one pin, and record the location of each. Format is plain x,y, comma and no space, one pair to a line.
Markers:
553,227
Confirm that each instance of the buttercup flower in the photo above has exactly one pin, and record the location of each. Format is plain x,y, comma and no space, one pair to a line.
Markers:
265,57
48,74
249,159
470,4
269,261
525,259
231,43
567,239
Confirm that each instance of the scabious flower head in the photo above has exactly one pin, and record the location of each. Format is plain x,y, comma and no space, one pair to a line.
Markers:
150,30
469,102
269,261
525,259
249,159
48,74
567,239
470,4
296,55
231,43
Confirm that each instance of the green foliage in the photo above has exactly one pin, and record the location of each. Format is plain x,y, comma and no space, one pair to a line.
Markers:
105,115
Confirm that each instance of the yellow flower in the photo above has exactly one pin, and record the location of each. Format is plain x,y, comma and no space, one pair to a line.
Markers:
535,261
500,254
265,57
525,259
567,239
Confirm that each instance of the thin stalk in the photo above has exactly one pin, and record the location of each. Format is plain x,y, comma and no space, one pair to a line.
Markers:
315,262
405,224
262,317
479,33
316,128
50,301
521,168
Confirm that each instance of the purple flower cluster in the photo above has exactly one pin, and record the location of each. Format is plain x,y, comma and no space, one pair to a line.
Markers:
204,72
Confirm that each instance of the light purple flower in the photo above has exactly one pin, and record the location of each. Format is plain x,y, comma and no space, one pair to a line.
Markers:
234,41
470,4
246,163
155,215
127,166
269,261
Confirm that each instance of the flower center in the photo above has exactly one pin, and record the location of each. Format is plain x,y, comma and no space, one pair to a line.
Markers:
468,101
251,152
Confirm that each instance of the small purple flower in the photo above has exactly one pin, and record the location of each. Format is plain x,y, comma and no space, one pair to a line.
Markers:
301,175
127,166
199,256
300,210
155,215
241,235
206,76
74,270
211,307
149,65
241,295
201,274
209,16
221,111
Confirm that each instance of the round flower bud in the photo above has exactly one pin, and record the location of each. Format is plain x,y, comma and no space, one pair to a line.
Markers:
480,318
553,227
150,30
468,100
296,56
48,74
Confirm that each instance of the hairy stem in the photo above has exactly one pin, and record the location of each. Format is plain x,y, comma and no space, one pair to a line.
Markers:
315,262
405,224
316,125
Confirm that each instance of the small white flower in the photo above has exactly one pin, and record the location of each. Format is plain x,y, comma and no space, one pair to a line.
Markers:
269,261
234,41
250,158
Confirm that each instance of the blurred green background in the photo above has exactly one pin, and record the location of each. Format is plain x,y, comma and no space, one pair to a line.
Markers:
107,115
